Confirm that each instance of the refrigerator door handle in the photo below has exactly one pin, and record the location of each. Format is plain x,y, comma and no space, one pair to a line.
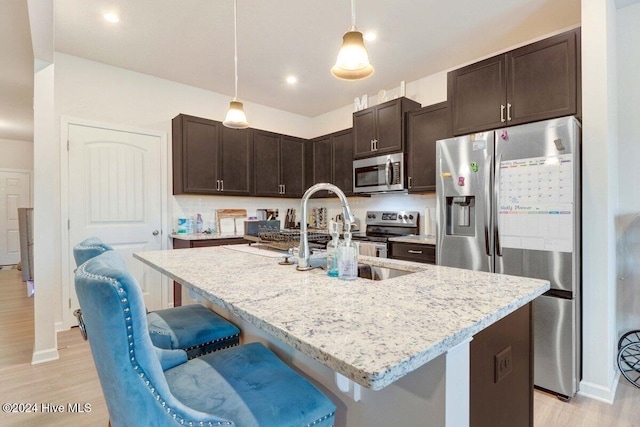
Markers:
496,196
487,214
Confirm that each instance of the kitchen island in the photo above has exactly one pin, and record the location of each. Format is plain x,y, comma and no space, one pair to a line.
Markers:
390,352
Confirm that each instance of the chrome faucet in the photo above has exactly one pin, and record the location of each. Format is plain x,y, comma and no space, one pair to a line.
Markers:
303,250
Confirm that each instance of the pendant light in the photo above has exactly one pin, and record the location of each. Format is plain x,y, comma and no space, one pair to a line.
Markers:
353,60
235,118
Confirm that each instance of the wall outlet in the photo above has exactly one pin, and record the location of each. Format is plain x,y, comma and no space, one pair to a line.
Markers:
503,364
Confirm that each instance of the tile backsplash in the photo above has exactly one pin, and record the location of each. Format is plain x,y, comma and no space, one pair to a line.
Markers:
186,206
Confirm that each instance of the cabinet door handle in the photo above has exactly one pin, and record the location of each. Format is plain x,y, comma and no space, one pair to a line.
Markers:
502,113
508,112
413,251
375,145
284,189
410,182
222,185
217,185
372,149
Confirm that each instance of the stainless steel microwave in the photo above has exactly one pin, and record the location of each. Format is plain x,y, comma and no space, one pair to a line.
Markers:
379,174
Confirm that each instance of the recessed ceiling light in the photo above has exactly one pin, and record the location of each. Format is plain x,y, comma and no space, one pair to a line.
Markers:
112,17
370,36
292,80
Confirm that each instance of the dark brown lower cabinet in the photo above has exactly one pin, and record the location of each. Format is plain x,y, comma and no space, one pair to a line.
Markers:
185,244
416,252
501,384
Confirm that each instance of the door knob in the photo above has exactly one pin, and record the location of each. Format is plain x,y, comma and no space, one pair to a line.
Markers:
155,232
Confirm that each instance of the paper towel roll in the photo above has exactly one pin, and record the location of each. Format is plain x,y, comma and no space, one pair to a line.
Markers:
427,222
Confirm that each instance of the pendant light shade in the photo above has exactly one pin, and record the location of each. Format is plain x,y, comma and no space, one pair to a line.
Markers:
235,118
353,59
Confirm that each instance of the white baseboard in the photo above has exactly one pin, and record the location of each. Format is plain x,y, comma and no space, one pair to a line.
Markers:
43,356
598,392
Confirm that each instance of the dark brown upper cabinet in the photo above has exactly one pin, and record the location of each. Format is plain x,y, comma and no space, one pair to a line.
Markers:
278,165
209,158
535,82
331,157
343,160
292,166
379,129
424,127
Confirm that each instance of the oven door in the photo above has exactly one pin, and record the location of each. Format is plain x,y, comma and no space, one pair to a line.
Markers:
374,249
379,174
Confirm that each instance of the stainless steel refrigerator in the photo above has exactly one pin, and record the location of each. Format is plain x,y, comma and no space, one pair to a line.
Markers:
509,202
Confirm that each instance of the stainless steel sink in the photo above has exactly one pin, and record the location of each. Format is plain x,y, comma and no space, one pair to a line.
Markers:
374,272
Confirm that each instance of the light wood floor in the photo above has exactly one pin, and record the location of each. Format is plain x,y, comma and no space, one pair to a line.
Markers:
73,378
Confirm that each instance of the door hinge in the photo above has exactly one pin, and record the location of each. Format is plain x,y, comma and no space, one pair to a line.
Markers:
67,145
69,302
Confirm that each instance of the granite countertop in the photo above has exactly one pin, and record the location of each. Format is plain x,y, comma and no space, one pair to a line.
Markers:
205,236
372,332
421,239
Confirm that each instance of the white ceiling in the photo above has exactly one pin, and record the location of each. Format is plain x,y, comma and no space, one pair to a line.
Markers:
191,41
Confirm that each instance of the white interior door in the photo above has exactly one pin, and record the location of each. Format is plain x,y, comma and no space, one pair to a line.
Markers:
15,192
115,194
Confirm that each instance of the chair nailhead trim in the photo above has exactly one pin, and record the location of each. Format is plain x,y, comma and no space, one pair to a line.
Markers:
321,419
125,302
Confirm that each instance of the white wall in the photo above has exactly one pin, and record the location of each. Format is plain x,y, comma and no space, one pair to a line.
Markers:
599,192
628,221
16,154
628,37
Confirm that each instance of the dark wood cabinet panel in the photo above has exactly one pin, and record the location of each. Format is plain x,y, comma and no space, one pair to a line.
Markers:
424,127
209,158
343,161
535,82
501,365
379,129
416,252
364,132
292,166
477,94
542,79
389,116
332,159
266,163
236,161
196,144
322,163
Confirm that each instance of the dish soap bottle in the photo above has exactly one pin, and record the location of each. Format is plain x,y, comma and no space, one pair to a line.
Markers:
347,258
199,224
332,250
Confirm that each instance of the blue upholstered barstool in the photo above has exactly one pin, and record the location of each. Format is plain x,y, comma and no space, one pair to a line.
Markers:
245,386
192,328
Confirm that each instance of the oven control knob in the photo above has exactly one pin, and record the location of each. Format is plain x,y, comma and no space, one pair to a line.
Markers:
410,216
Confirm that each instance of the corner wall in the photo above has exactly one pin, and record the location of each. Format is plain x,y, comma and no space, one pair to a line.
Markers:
16,154
599,199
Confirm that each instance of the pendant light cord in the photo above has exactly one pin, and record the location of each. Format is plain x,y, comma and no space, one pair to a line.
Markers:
235,45
353,14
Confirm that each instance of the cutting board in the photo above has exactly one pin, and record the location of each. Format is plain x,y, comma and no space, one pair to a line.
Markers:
230,214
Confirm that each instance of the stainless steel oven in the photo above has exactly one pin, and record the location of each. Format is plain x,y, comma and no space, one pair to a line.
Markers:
379,174
381,225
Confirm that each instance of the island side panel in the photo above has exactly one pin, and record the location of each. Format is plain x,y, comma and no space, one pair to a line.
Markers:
417,399
501,380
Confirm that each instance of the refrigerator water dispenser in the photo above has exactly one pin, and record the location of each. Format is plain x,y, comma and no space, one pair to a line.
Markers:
460,216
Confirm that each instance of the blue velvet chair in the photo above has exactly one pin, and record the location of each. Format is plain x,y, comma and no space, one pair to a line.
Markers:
192,328
244,386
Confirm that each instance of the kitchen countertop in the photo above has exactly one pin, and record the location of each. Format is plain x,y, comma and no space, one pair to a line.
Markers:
205,236
419,238
372,332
